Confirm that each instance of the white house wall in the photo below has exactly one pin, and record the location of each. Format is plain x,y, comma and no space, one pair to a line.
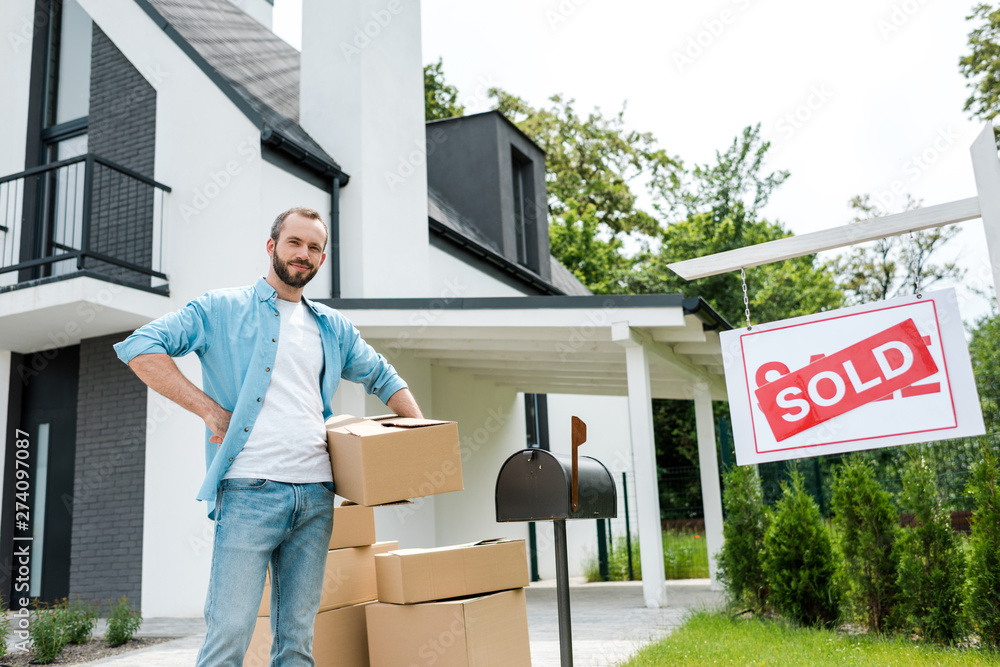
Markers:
214,234
608,441
450,278
413,526
491,427
361,97
177,534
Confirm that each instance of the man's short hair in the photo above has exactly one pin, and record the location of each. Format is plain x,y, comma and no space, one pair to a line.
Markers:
305,212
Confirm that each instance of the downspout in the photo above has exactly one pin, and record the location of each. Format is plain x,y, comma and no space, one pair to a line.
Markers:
335,239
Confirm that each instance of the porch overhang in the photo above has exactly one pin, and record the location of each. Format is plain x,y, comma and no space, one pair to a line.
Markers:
549,345
642,347
52,313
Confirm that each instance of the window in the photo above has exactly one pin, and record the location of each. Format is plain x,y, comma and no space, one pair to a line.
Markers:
525,240
67,76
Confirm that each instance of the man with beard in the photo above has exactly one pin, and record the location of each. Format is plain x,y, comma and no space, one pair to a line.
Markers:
271,362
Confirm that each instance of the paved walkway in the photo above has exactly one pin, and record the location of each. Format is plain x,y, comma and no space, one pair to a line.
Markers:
610,623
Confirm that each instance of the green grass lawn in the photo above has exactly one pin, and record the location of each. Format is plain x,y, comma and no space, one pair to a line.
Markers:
712,638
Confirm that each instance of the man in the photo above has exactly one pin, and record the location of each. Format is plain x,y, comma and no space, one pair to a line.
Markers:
271,362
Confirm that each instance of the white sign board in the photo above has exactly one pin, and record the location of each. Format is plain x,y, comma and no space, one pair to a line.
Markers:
879,375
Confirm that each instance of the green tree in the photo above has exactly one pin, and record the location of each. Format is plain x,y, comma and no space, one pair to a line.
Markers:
719,209
440,98
799,560
740,567
592,164
984,548
984,348
868,527
893,266
931,566
982,66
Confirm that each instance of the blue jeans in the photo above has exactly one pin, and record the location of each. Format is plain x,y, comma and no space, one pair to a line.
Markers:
259,521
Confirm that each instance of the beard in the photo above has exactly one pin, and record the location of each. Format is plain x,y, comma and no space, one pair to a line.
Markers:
291,279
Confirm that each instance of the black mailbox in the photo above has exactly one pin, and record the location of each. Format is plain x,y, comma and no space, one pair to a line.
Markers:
537,485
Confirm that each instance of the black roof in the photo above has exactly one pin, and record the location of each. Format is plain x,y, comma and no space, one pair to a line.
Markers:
255,68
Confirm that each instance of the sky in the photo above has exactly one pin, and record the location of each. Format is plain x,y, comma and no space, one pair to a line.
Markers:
855,96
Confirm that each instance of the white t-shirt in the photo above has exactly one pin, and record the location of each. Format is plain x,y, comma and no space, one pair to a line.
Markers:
288,440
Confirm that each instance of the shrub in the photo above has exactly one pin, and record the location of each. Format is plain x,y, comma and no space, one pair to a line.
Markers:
931,566
4,629
799,560
868,527
46,631
983,603
740,567
123,623
78,621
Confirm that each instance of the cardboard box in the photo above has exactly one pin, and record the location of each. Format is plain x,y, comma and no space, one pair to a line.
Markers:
471,632
406,576
385,459
349,579
340,639
353,526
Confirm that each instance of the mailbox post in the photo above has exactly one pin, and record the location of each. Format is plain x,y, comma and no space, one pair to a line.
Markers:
537,485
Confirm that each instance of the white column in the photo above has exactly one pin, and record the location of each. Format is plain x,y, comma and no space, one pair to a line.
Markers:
987,169
362,98
647,491
711,493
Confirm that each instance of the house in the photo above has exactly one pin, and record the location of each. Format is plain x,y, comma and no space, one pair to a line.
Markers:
145,148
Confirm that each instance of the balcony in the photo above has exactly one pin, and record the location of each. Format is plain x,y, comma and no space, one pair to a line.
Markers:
81,216
81,248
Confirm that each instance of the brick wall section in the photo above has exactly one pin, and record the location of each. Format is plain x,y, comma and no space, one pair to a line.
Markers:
106,552
122,128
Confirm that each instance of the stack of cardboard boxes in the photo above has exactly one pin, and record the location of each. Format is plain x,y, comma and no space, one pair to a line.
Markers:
461,605
457,606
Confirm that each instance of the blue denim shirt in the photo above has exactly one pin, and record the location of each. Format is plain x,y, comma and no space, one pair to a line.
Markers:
235,334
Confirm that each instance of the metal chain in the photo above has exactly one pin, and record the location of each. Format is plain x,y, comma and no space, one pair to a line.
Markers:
746,299
913,267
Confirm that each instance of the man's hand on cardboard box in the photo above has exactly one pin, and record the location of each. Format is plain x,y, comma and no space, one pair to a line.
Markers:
403,404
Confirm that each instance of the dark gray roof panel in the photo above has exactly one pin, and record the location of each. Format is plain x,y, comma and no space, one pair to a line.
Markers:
564,279
259,66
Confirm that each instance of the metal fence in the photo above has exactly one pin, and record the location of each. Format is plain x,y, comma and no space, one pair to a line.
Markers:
84,213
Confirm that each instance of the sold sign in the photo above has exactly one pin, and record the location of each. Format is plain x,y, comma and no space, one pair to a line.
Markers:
838,383
833,382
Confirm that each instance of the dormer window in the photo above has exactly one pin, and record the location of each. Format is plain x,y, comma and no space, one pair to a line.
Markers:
525,233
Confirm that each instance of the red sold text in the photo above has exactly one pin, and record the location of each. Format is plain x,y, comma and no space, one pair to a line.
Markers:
838,383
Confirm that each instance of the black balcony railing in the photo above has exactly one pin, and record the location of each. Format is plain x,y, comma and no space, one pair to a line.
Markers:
82,214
